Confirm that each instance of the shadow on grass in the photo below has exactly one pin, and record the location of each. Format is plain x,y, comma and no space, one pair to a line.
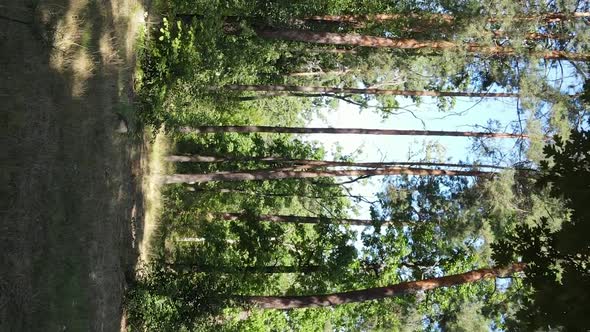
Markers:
71,182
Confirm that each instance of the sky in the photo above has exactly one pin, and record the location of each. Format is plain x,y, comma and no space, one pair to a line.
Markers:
397,148
466,115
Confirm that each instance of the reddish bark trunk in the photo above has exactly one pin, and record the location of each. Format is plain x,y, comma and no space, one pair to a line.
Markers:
332,38
354,131
292,302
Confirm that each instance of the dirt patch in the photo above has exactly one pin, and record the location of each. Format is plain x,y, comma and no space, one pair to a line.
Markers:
71,182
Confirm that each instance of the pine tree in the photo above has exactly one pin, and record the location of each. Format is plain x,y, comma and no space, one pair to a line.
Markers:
293,302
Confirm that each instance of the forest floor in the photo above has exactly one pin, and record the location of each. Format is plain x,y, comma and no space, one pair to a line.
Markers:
72,197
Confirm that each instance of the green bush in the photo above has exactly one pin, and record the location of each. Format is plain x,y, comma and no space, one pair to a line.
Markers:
164,300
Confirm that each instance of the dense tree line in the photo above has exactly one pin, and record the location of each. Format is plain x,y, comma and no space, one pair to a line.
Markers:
259,228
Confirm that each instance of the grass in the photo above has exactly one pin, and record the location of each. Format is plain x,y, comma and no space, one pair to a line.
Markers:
156,166
73,183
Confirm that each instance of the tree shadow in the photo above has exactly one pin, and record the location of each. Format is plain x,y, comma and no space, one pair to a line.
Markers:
71,180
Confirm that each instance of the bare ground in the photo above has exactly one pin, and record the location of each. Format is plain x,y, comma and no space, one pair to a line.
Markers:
70,194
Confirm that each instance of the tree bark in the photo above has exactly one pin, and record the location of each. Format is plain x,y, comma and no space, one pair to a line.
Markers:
367,91
267,194
333,38
229,216
247,269
361,20
293,302
306,163
536,35
436,17
549,17
271,175
428,19
320,73
354,131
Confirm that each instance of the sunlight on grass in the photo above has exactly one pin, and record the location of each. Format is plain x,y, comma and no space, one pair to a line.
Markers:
136,21
132,13
154,162
108,51
70,46
83,67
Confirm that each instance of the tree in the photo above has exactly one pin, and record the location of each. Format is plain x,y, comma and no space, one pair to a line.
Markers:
292,302
310,163
546,17
388,92
267,269
294,174
332,38
354,131
258,193
231,216
557,261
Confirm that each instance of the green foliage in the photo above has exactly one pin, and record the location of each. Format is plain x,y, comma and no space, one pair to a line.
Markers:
447,231
557,261
163,300
201,260
163,58
586,92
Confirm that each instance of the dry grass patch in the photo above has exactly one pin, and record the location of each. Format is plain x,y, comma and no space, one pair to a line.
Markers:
108,52
154,167
70,56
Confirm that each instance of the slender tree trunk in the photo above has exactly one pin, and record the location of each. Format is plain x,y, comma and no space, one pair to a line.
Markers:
319,163
549,17
247,269
361,20
353,131
328,300
333,38
270,174
536,35
229,216
439,18
333,50
266,194
200,240
428,19
320,73
367,91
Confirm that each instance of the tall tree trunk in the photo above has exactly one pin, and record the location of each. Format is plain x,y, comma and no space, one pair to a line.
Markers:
246,269
320,73
333,38
361,20
536,35
267,194
306,163
230,216
270,174
410,287
354,131
439,18
549,17
367,91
